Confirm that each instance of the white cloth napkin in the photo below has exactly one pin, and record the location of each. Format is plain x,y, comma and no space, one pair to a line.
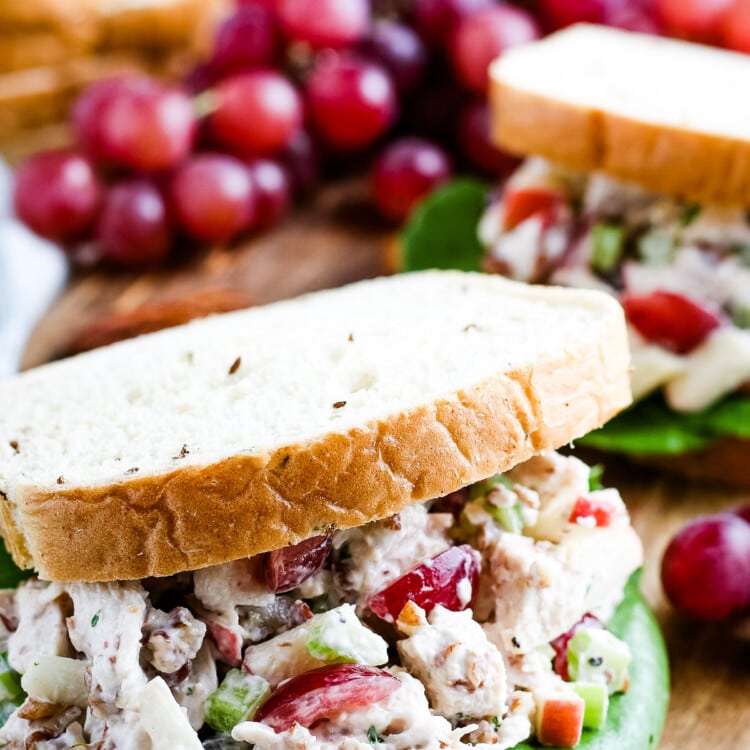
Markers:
32,273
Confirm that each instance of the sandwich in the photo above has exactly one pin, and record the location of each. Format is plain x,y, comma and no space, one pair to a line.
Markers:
331,522
637,183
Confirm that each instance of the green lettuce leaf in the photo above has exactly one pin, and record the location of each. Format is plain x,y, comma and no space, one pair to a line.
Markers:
635,719
442,232
651,427
10,574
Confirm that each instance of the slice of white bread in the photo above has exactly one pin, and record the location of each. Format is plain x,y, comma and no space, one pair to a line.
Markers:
668,115
247,431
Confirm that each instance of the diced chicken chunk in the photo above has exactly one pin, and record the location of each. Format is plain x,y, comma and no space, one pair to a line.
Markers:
41,609
106,627
173,638
463,673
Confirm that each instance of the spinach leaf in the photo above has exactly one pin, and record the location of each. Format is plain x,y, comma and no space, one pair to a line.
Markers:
651,427
10,574
635,719
442,232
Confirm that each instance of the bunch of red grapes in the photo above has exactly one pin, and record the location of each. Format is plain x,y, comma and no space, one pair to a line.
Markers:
293,85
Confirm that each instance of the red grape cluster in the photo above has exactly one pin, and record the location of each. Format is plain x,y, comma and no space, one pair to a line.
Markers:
706,567
294,85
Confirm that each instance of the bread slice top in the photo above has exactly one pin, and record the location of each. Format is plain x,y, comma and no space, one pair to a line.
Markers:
658,112
243,432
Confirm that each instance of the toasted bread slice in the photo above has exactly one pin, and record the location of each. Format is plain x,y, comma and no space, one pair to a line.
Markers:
247,431
657,112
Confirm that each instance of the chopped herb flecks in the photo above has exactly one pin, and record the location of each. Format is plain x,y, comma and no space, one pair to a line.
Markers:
372,735
95,619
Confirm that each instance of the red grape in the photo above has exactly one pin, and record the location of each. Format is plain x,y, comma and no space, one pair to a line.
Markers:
437,19
228,642
559,13
247,39
406,171
736,27
560,644
301,161
257,112
213,197
437,581
325,23
57,194
706,568
476,144
482,36
699,20
324,693
287,567
670,320
400,50
135,122
639,17
134,227
352,101
272,189
199,78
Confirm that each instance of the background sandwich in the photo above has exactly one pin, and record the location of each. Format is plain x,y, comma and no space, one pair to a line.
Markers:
643,191
159,483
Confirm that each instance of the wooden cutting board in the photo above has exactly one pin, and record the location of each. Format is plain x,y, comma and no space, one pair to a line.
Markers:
337,240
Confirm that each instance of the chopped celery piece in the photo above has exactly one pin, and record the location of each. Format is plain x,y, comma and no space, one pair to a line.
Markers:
607,243
237,699
595,655
338,636
595,477
596,698
510,518
480,489
10,682
656,247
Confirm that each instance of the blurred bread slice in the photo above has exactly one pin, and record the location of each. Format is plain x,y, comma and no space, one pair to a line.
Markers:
32,98
666,114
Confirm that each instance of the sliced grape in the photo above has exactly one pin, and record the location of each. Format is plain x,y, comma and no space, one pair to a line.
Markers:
325,692
286,568
670,320
450,579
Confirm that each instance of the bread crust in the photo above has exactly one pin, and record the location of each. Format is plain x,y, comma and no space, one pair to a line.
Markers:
249,504
664,159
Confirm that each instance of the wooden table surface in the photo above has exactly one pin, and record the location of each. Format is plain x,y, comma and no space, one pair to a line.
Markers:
339,240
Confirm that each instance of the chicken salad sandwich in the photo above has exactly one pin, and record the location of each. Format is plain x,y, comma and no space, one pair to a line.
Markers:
333,522
636,185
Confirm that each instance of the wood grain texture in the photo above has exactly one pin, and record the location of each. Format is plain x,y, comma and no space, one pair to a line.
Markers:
338,240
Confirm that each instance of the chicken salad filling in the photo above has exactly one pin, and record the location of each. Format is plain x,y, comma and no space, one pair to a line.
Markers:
476,620
681,270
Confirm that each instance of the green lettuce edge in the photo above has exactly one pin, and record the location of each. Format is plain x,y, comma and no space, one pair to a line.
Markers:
650,427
